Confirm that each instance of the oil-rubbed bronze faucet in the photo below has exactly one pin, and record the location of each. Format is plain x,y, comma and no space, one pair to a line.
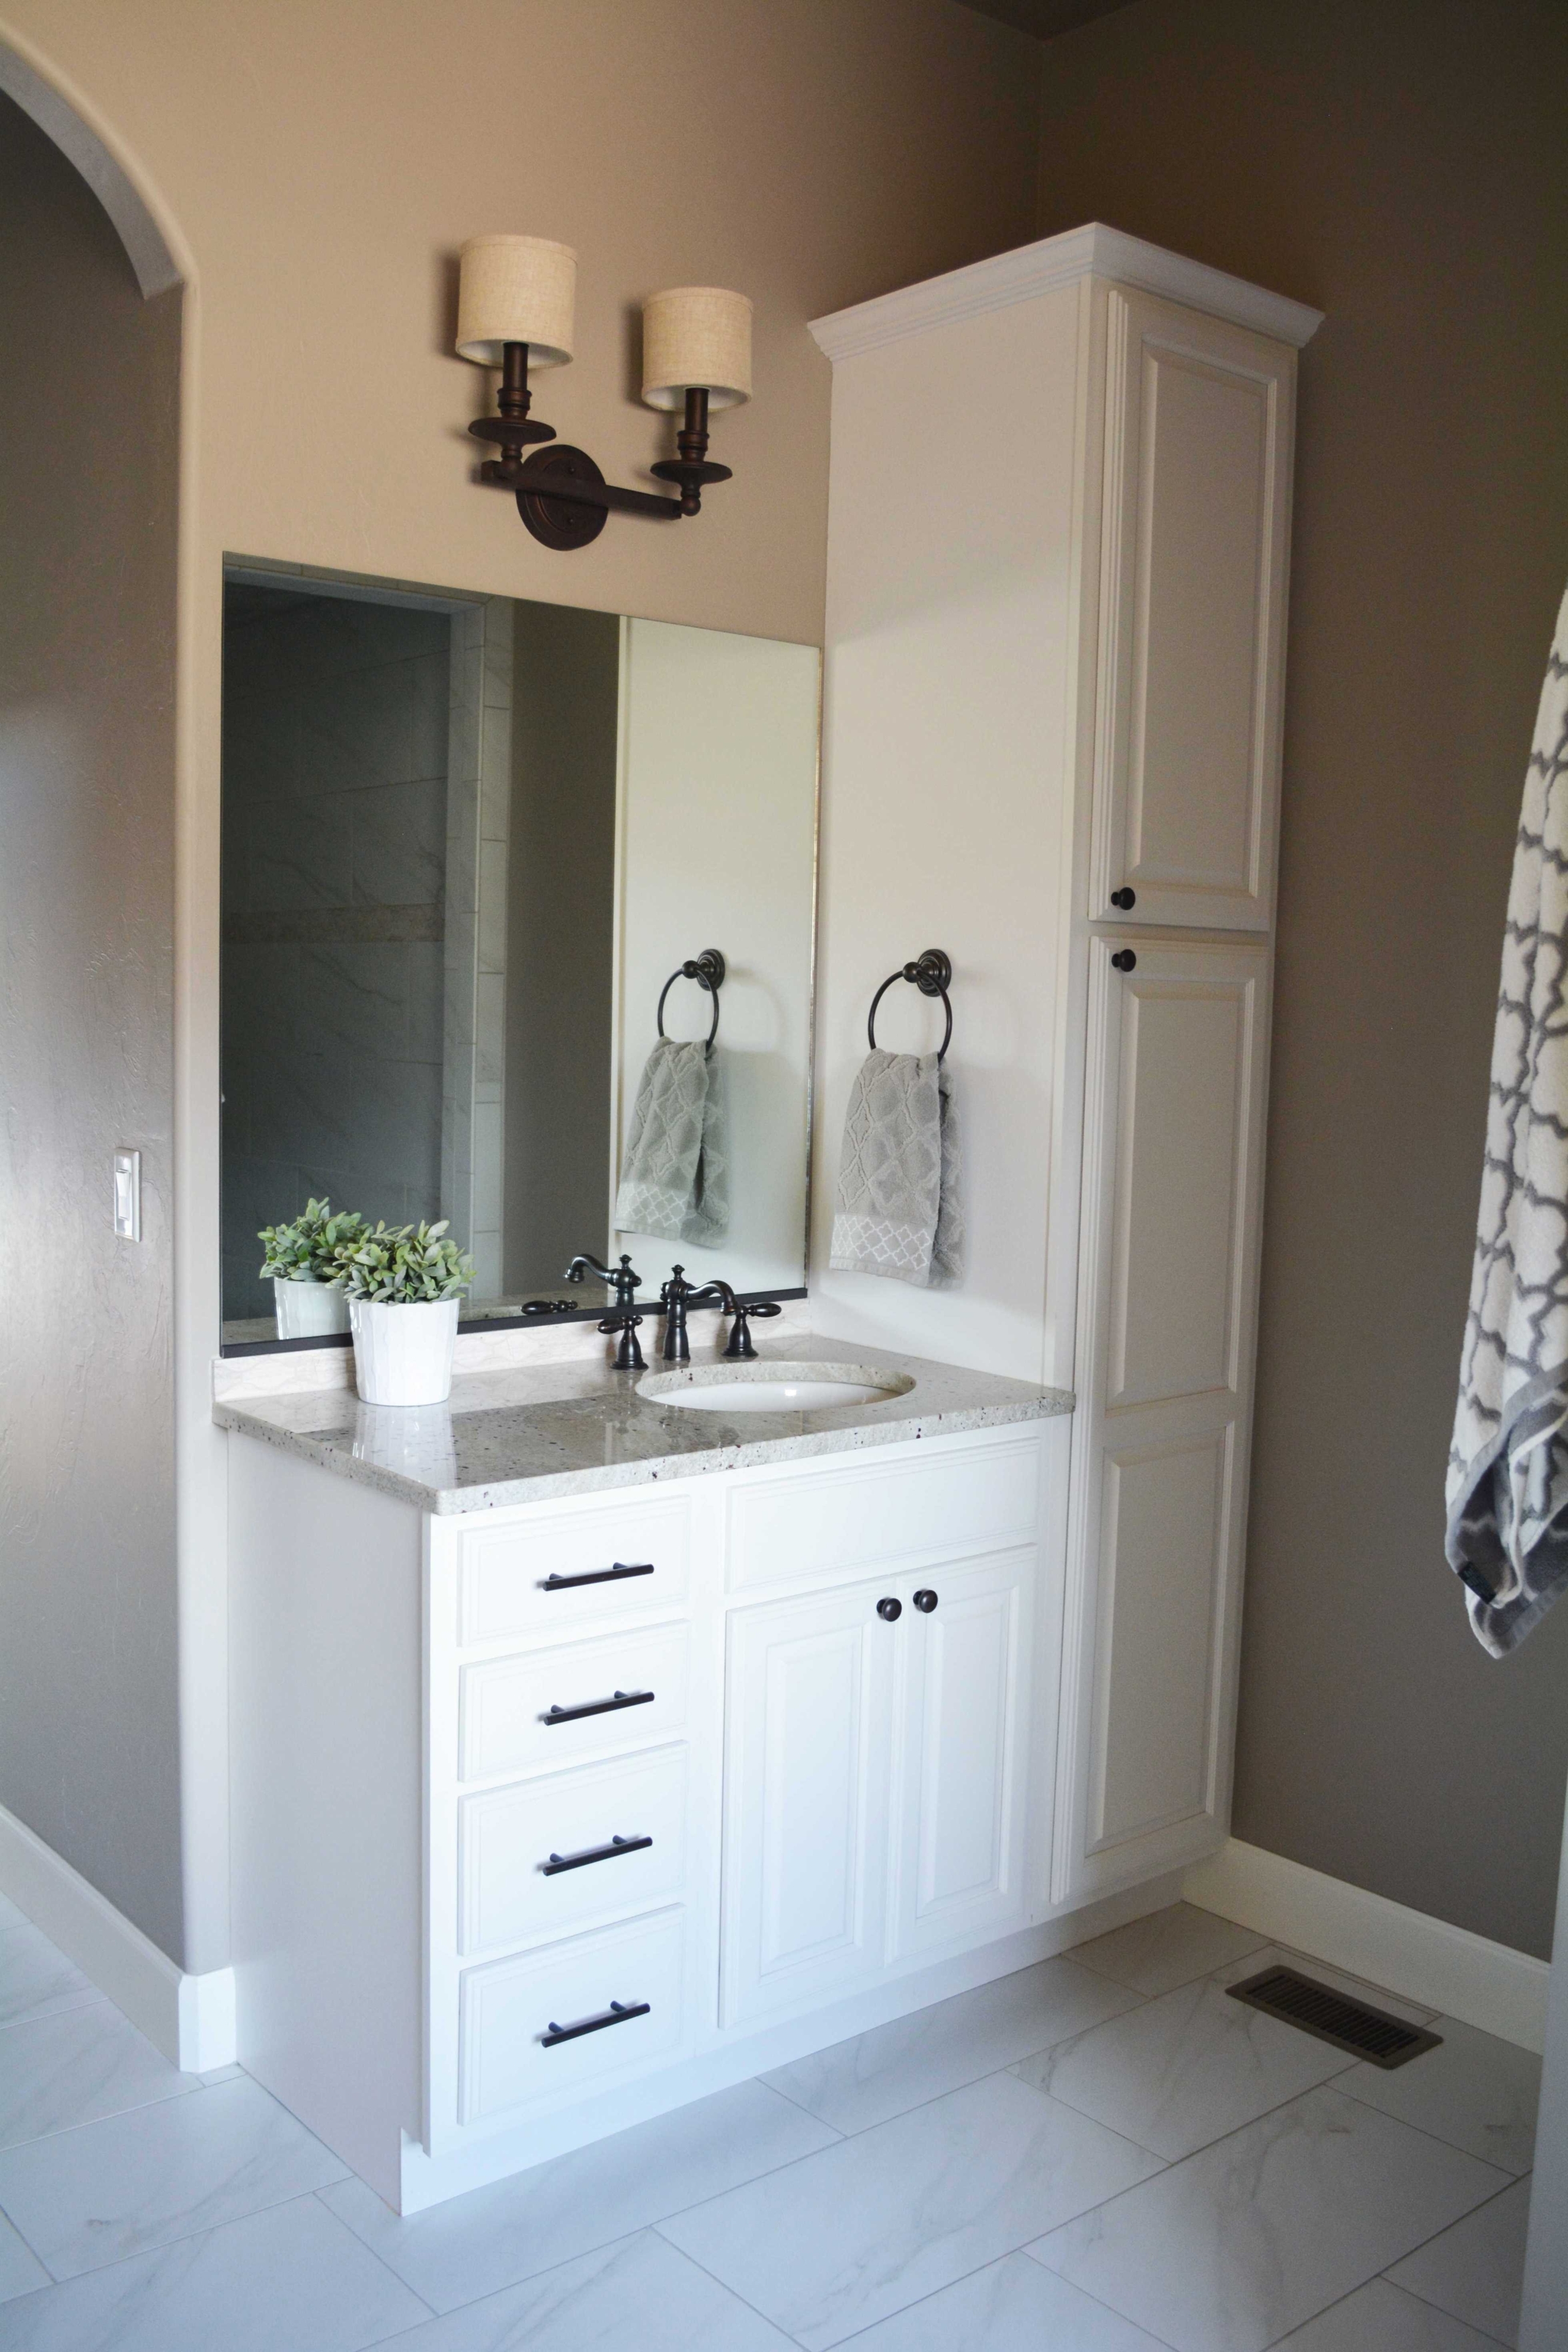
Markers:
621,1279
676,1296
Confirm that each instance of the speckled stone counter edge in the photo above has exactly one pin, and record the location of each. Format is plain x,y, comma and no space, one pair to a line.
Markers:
837,1429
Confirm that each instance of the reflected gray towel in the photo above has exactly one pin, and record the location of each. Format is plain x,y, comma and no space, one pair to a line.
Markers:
1508,1469
898,1211
674,1178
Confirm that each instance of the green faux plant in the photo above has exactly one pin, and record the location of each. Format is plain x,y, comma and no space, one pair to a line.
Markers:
407,1265
312,1247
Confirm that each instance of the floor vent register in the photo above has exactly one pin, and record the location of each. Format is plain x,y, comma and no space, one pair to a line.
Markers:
1365,2032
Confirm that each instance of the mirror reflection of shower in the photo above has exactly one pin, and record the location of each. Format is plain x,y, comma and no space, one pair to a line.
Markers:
465,841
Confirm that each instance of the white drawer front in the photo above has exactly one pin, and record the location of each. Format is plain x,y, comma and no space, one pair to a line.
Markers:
820,1523
506,2011
619,1827
516,1715
558,1570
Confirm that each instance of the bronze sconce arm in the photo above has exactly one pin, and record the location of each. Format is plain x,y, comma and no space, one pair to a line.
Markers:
562,496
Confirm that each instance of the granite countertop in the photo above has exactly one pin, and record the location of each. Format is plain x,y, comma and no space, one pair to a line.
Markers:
522,1436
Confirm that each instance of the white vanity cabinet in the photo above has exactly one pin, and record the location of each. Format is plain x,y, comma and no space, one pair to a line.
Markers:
1054,686
549,1817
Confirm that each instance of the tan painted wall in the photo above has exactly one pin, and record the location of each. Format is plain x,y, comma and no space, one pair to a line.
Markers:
1402,166
316,166
88,1746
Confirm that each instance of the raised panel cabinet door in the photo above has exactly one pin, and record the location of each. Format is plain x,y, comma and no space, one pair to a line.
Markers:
961,1754
1194,531
1168,1284
805,1802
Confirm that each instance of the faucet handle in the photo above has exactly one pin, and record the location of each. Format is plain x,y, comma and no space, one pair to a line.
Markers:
742,1348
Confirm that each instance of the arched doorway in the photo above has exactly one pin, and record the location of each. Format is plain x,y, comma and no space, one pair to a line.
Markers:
90,423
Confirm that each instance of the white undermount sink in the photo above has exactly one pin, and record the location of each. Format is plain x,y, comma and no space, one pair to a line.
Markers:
774,1387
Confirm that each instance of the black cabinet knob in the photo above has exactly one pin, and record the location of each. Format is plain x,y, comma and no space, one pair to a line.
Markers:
889,1609
925,1601
1124,959
1124,898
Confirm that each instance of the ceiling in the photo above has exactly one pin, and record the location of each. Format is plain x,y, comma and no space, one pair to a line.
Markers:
1044,17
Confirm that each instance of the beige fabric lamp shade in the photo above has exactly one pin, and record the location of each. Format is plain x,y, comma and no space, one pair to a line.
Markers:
516,289
696,335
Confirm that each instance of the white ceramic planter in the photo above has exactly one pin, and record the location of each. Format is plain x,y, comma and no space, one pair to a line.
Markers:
306,1311
403,1355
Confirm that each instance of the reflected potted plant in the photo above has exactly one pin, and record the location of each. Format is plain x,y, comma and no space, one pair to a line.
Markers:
305,1259
405,1285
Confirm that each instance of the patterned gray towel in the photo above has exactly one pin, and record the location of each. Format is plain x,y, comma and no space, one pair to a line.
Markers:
1508,1469
675,1177
898,1211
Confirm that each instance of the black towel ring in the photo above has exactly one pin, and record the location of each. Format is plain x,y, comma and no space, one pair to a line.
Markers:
708,971
931,973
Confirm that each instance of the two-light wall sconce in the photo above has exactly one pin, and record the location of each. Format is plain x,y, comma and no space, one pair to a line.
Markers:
515,308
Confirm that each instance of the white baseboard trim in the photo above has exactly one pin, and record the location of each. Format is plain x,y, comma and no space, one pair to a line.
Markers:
189,2018
1429,1962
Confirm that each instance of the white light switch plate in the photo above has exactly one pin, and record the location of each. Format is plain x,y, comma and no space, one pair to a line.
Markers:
128,1195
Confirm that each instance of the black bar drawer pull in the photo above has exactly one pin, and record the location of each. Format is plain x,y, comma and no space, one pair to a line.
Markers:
599,1575
558,1862
599,1707
619,2013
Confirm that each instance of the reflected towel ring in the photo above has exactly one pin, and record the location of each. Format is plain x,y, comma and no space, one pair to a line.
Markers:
931,973
708,971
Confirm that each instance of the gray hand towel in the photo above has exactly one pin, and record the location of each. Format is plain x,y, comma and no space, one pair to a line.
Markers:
898,1211
675,1177
1508,1469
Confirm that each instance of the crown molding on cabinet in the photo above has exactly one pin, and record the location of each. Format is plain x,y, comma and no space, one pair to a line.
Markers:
1094,251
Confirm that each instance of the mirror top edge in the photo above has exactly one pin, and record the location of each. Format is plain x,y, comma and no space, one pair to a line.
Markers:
435,596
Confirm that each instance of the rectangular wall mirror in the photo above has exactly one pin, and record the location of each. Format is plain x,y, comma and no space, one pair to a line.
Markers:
468,845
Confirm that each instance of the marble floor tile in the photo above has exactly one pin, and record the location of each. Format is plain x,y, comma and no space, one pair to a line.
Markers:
1012,2305
108,2190
1168,1948
1229,2250
1184,2070
637,2295
898,2066
1383,2318
36,1979
10,1914
843,2238
76,2065
1476,2091
289,2280
1475,2270
493,2237
20,2269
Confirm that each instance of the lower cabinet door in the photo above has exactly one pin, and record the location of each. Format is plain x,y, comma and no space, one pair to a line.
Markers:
1168,1290
806,1809
962,1758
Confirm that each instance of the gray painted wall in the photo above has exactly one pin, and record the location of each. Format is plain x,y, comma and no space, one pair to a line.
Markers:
1404,167
89,419
334,851
560,939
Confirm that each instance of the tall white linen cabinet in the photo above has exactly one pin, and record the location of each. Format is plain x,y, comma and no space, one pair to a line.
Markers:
1057,557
